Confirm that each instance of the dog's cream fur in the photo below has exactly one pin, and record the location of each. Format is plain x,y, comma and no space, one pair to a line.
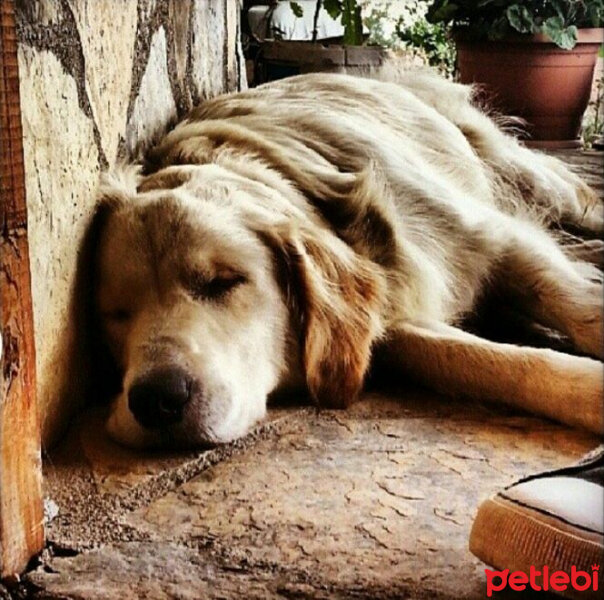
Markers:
341,219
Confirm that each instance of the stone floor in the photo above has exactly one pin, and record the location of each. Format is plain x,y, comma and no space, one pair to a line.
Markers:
374,502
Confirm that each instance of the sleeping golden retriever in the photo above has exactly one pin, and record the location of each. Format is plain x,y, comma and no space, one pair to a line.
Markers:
288,235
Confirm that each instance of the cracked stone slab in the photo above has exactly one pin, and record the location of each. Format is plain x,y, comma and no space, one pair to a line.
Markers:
91,480
373,502
127,571
145,570
368,501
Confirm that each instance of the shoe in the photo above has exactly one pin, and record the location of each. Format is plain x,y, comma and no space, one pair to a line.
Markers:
546,524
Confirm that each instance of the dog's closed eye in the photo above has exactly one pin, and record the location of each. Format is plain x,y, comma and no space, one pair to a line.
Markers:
202,287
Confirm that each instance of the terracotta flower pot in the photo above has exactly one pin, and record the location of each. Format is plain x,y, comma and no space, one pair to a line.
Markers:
532,78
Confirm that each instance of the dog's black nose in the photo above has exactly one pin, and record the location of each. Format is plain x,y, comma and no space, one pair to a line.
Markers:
159,398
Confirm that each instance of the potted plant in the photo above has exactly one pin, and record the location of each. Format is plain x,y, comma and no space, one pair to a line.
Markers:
349,54
430,42
535,58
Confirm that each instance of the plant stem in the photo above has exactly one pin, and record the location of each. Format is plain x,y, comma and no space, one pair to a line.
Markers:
353,24
315,23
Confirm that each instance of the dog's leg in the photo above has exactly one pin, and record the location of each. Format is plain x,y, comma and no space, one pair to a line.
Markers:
554,290
532,178
564,387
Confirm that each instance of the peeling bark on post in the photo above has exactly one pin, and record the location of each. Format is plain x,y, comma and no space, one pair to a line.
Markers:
21,530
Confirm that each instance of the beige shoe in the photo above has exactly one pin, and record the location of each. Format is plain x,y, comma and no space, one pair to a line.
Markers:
546,532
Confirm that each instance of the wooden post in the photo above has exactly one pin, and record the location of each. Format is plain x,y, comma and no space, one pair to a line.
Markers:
21,513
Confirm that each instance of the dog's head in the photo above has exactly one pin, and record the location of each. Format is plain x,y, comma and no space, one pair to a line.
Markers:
211,292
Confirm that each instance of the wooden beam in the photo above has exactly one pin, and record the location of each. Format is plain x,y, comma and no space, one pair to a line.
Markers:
21,513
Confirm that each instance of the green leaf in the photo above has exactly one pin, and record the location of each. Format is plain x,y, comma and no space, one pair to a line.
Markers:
559,6
498,29
520,19
594,15
433,8
296,9
482,19
441,12
564,37
333,8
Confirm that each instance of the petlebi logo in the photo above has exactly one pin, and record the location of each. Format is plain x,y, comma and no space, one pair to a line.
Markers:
544,579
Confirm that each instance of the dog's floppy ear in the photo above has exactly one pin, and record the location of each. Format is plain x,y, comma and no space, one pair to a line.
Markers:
338,297
99,375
